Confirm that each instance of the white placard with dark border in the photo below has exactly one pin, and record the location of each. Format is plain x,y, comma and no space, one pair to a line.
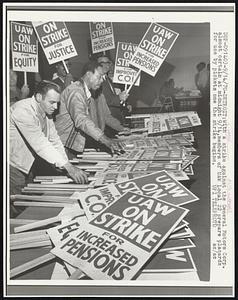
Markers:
122,72
120,239
153,48
102,37
159,185
24,48
55,40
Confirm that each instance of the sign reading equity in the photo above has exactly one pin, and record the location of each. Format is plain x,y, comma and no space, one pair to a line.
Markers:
102,37
24,48
55,41
153,48
122,72
158,185
120,239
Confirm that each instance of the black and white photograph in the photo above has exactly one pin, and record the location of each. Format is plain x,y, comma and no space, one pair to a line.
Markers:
118,142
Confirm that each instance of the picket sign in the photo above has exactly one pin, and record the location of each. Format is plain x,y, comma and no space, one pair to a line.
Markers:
55,41
18,246
29,235
66,200
153,49
102,37
25,79
21,221
50,192
24,49
31,264
65,213
40,204
136,77
59,185
75,274
65,66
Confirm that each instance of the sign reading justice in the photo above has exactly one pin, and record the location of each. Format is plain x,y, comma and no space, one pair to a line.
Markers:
55,40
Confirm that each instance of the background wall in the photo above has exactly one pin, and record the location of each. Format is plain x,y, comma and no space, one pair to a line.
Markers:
191,47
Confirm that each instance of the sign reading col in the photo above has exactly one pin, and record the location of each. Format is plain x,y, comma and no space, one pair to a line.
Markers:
24,48
55,41
122,72
153,48
102,37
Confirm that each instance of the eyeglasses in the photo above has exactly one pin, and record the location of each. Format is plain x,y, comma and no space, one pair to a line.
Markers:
106,62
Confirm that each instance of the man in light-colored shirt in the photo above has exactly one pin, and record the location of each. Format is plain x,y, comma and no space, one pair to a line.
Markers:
74,121
33,133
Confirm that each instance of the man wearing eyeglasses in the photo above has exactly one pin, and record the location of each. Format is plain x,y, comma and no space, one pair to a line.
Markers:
33,134
113,99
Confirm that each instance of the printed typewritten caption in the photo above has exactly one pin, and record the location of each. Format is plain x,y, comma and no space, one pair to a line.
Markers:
221,205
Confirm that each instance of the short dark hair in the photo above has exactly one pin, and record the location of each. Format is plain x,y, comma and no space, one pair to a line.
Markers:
45,85
201,65
90,66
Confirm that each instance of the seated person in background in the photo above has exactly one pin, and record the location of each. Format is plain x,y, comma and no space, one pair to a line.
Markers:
114,101
74,121
17,94
33,134
62,78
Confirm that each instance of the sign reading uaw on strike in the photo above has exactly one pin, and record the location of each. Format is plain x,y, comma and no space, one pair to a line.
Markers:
122,71
55,40
102,37
153,48
24,48
119,240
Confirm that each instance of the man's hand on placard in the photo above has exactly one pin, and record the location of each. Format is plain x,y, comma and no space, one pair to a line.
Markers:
79,176
112,145
125,131
123,96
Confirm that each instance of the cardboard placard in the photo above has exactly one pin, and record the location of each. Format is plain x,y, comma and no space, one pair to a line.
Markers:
102,37
122,72
171,261
173,121
119,240
24,48
153,48
159,185
55,40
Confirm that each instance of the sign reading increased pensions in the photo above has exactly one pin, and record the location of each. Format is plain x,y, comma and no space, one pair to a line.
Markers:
122,72
55,41
24,48
102,37
158,185
119,240
153,48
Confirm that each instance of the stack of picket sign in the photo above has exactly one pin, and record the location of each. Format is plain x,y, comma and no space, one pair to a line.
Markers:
173,153
162,122
128,230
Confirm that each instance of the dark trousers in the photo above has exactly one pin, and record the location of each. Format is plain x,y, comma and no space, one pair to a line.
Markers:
18,181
